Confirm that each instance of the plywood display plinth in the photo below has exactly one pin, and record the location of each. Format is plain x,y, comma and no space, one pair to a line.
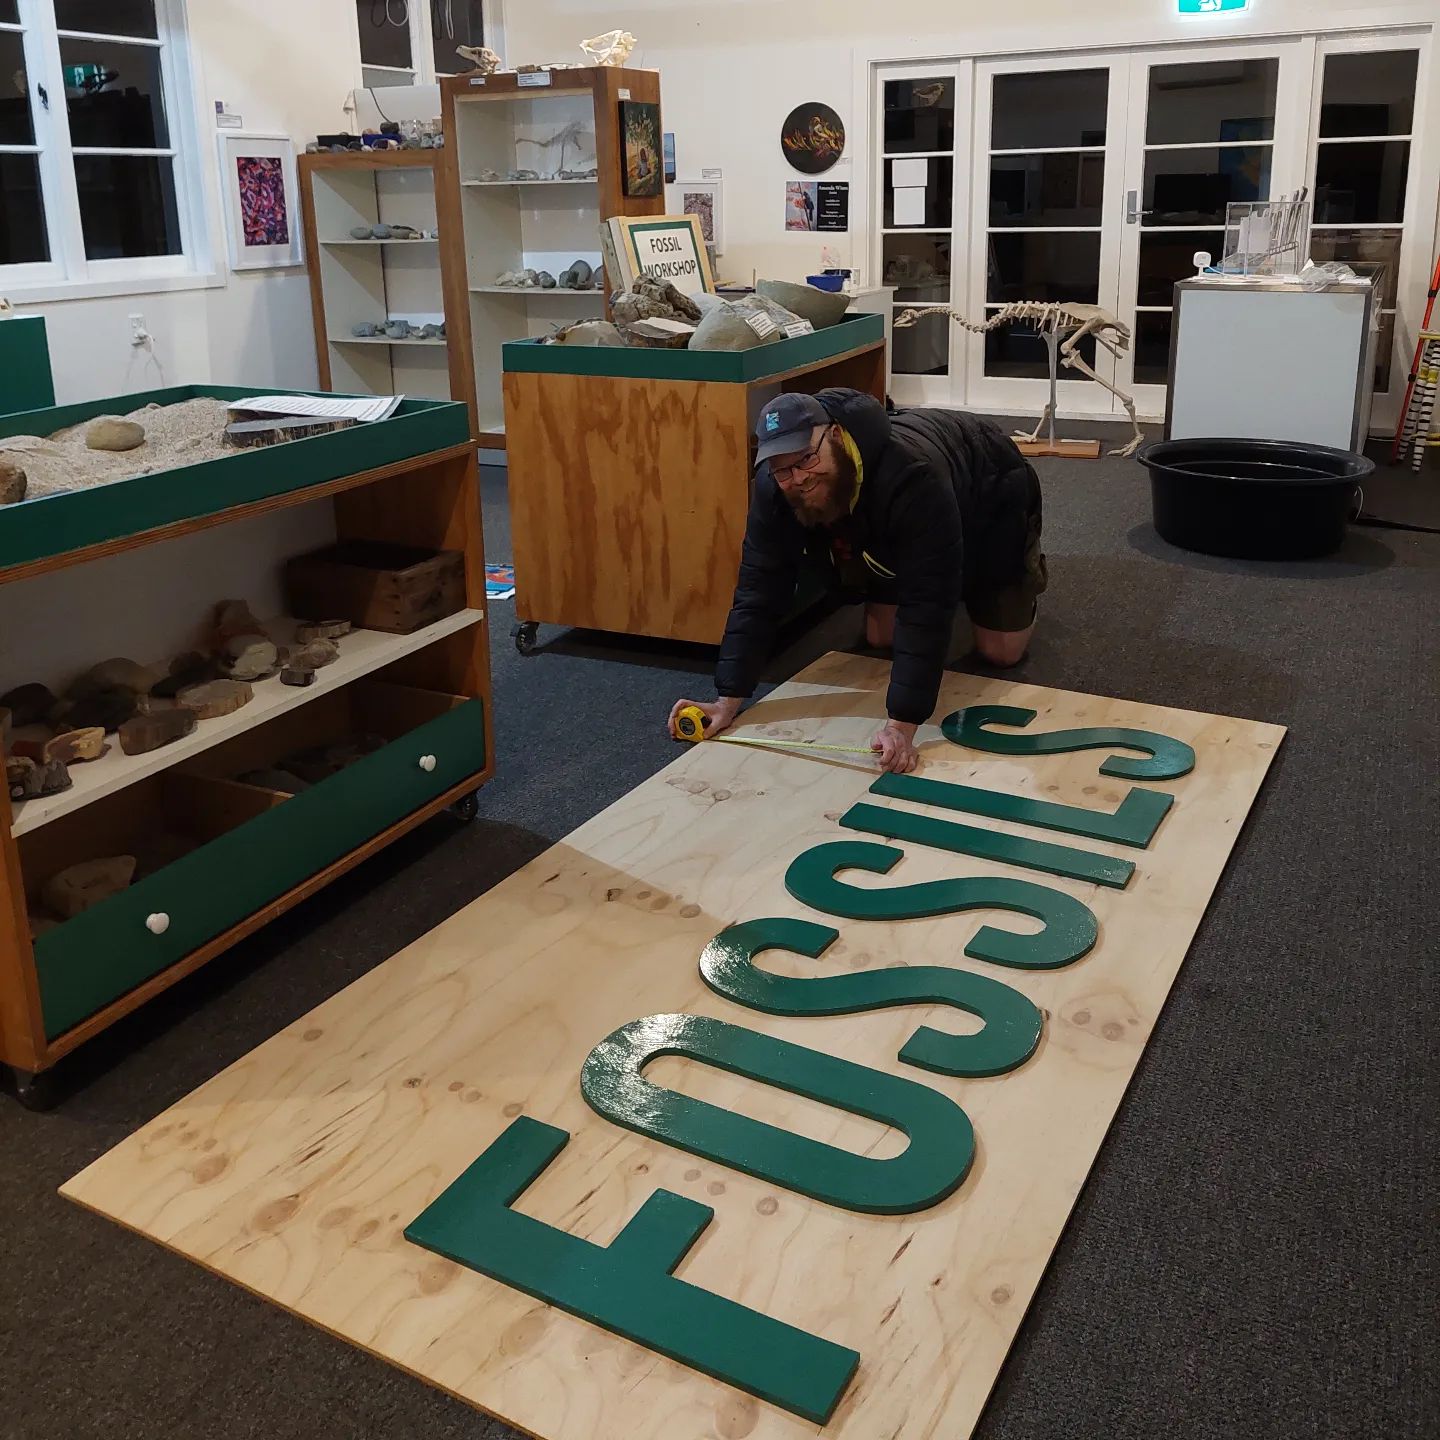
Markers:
296,1171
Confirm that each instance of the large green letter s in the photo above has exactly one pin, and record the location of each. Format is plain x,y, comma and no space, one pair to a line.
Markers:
1168,759
1070,927
1012,1023
942,1141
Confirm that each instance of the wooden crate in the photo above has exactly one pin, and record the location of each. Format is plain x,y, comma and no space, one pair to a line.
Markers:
377,586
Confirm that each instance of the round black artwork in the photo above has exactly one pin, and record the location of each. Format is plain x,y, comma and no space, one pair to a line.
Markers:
813,138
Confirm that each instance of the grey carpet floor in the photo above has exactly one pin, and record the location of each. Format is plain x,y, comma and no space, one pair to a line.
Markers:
1255,1254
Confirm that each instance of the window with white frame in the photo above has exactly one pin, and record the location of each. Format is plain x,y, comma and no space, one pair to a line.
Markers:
408,42
92,184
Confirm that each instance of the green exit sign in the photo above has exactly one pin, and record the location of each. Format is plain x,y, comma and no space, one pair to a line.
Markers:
1210,7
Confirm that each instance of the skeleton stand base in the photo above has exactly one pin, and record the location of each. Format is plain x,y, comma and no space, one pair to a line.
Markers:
1032,444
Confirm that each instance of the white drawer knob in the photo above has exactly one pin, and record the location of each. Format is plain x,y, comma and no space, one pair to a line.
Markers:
158,923
427,762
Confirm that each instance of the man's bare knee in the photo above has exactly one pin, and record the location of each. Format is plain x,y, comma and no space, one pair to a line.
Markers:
880,626
1003,648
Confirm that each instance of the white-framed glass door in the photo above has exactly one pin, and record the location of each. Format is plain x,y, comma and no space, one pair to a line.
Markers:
921,154
1367,171
1048,171
1209,124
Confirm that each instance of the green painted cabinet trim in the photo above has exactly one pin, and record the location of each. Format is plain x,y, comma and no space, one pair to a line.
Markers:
627,1287
737,368
1012,1023
55,524
95,958
25,379
932,1166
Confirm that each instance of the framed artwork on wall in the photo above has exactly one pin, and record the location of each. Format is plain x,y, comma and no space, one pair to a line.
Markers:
641,149
701,198
262,211
812,138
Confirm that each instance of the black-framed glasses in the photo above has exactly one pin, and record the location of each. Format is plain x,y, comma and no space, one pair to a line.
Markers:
783,474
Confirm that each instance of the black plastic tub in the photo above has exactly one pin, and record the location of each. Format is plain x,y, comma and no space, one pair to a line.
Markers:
1254,499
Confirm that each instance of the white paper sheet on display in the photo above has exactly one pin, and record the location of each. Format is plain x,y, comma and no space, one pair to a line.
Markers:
910,205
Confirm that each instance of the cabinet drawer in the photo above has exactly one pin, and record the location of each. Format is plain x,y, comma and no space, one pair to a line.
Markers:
93,959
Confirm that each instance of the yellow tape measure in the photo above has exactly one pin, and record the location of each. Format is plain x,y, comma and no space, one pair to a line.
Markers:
690,723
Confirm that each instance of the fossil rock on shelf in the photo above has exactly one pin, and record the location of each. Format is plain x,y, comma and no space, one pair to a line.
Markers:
545,280
234,617
76,889
482,57
822,308
69,747
397,329
297,675
142,733
110,433
214,698
28,781
109,709
28,704
364,330
116,674
249,657
588,332
13,482
308,630
191,668
359,232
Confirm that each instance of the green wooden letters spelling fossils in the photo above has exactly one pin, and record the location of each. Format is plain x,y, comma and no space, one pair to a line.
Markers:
629,1286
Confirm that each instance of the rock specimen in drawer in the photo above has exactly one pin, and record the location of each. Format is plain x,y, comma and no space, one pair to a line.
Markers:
143,733
75,890
249,657
28,781
28,704
108,709
274,778
215,698
326,760
109,433
69,746
308,630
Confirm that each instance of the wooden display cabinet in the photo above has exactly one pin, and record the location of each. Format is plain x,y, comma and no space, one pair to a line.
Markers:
496,123
181,541
354,280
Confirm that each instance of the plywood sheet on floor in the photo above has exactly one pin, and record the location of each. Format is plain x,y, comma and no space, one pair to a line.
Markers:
295,1171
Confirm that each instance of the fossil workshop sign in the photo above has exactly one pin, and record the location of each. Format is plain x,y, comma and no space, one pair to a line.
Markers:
882,1035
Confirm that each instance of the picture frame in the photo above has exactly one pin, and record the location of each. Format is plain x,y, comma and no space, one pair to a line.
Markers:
641,150
261,199
704,199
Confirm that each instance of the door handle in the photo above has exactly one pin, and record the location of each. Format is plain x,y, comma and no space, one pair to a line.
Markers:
1132,207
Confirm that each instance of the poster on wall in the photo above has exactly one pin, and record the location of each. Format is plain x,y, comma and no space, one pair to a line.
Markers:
832,205
669,157
801,203
812,137
642,148
262,217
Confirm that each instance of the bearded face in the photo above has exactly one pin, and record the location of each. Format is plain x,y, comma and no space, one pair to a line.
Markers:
821,494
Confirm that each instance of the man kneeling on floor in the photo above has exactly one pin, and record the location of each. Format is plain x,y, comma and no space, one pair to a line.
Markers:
920,512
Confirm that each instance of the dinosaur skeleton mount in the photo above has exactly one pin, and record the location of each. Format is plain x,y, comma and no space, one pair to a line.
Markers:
1063,327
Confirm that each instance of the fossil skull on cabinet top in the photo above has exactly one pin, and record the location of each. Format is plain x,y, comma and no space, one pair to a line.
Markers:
1068,324
611,48
484,59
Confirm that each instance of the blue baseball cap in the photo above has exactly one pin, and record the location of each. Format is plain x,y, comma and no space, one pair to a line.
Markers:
785,424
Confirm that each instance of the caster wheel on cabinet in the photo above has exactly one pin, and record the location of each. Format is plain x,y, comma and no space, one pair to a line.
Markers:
35,1092
466,808
524,636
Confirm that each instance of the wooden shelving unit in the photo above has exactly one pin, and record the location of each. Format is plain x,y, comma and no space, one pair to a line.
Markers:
496,123
357,280
182,541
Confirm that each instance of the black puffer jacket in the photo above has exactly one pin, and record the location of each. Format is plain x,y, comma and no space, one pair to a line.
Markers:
944,507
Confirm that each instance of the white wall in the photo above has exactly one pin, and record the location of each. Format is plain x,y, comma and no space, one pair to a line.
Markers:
286,66
732,69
